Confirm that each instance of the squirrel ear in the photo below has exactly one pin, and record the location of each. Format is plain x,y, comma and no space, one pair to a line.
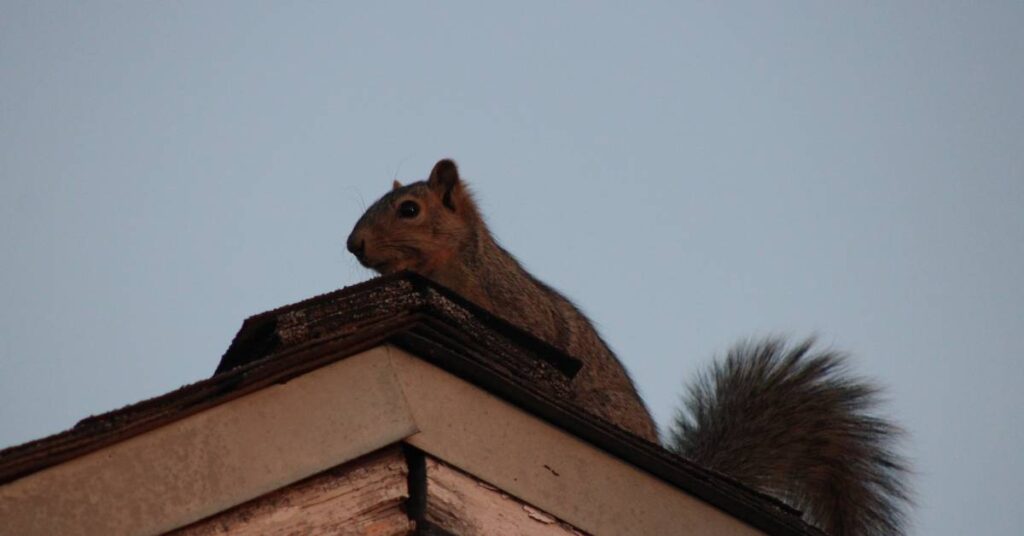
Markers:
444,178
395,185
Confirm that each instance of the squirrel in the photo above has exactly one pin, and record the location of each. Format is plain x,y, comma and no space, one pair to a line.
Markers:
786,420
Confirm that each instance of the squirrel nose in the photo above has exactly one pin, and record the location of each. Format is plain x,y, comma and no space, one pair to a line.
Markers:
355,245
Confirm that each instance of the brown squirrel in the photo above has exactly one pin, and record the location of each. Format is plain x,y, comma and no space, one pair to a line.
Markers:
785,420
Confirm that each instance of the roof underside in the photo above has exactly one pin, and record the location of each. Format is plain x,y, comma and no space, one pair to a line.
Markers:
432,323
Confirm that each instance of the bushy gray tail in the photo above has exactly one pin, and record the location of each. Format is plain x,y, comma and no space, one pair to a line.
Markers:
792,422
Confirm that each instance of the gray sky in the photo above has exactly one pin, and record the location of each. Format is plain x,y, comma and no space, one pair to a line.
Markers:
690,175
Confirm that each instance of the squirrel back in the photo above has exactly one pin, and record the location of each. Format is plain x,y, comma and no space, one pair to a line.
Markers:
784,421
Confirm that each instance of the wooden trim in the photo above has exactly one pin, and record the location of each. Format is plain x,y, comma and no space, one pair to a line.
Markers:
364,496
216,459
231,453
460,504
542,465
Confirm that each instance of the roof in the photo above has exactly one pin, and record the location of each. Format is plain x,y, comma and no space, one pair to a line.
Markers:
434,324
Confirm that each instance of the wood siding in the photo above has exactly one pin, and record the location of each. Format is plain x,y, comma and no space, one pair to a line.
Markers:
364,496
461,504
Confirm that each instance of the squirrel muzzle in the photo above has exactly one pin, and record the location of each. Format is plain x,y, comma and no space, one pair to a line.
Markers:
356,245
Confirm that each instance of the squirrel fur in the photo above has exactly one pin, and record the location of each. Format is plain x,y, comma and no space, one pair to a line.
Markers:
788,421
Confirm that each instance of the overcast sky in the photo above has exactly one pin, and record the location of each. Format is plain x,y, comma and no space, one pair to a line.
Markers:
690,174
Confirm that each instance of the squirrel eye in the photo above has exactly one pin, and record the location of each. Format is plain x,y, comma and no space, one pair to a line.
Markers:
408,209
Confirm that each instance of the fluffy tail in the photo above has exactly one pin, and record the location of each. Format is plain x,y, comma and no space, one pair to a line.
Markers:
792,422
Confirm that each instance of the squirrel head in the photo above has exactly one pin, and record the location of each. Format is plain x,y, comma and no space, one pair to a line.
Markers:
422,226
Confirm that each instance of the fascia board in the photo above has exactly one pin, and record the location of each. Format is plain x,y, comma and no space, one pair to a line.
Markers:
543,465
217,458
